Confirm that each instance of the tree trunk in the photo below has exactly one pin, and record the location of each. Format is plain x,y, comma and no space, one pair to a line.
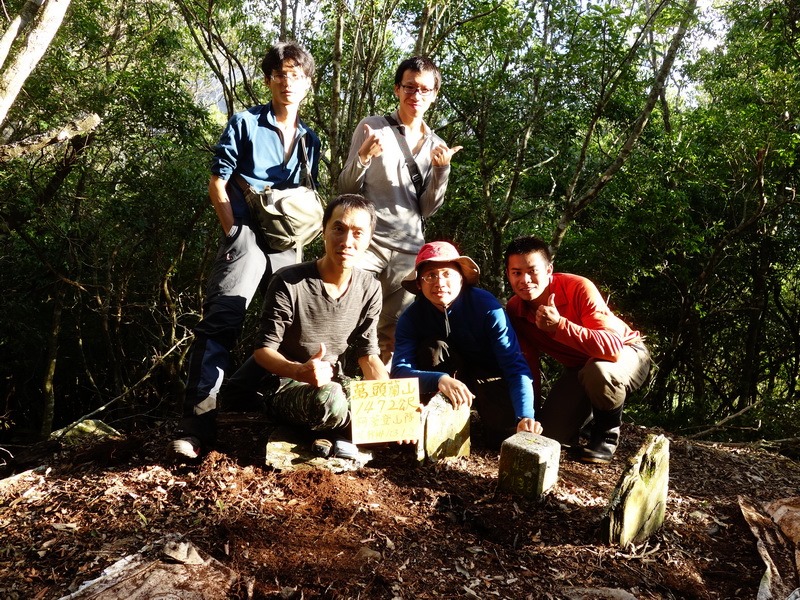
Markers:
17,27
14,74
284,21
576,205
81,126
337,156
48,389
759,297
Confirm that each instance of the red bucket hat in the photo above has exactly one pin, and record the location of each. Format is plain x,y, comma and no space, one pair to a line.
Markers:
442,252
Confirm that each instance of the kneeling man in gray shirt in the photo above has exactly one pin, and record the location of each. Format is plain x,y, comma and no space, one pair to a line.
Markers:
314,312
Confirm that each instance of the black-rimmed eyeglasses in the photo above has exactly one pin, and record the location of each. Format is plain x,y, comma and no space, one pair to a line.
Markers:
412,89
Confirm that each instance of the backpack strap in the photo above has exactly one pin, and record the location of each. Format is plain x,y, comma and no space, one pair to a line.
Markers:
305,175
413,169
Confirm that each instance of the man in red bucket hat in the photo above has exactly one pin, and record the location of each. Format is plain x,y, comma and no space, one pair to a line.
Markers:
457,340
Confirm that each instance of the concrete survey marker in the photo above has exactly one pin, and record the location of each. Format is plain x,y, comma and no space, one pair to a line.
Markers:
528,464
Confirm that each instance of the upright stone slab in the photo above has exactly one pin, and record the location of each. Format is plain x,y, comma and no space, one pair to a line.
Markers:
638,503
444,430
528,464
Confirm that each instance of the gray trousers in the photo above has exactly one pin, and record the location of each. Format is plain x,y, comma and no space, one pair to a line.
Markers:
599,385
390,268
238,270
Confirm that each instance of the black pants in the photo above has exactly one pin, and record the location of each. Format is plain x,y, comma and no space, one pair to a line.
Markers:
492,397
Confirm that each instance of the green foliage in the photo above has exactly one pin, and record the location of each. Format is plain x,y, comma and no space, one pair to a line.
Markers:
714,213
98,229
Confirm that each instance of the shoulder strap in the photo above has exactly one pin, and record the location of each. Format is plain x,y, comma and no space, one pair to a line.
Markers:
413,169
305,175
243,185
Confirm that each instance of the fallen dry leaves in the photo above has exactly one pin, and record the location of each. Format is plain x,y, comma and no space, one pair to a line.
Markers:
391,530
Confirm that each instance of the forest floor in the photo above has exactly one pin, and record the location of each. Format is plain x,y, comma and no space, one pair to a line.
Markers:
392,529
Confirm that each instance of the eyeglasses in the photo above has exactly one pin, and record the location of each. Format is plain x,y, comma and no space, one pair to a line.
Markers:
435,276
412,89
290,77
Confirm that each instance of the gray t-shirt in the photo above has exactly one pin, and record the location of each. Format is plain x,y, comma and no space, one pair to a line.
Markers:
298,314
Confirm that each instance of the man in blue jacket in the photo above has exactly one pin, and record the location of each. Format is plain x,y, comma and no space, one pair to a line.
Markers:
456,338
266,145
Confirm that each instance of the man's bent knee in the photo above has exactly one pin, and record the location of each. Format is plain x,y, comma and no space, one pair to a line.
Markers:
334,407
317,408
602,388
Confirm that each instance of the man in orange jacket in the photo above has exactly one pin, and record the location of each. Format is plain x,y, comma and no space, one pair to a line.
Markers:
564,316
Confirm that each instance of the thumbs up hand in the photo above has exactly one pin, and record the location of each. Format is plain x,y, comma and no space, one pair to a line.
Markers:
547,315
372,146
320,353
315,371
441,154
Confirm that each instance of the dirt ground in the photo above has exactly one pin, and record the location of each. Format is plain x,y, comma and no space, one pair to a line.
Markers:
391,530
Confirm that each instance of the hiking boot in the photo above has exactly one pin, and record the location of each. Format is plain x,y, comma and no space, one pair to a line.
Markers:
582,437
601,449
345,449
184,449
322,447
604,437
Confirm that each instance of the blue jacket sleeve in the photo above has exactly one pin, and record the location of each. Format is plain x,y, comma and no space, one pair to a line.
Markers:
511,361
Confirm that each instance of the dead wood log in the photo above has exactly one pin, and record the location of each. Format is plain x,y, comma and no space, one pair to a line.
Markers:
77,127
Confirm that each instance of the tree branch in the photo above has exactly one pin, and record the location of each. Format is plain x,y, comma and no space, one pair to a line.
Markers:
722,422
77,127
574,207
